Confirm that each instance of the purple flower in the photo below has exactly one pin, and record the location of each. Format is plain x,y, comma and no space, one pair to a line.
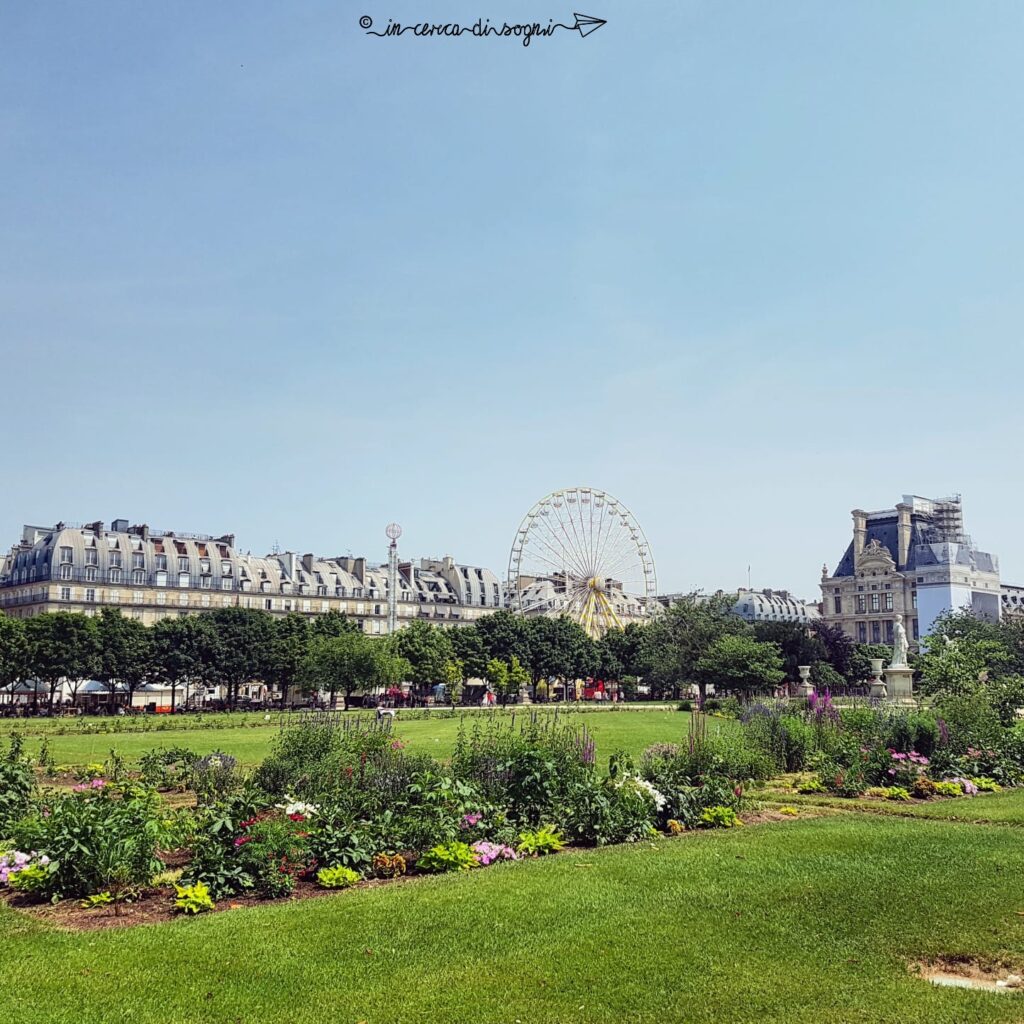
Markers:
488,853
470,820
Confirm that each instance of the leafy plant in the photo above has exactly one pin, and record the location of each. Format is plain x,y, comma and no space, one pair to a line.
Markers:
453,856
337,877
948,789
719,817
897,793
389,865
193,899
540,842
97,899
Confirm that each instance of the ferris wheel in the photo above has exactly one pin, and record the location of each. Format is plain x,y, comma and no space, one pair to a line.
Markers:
580,552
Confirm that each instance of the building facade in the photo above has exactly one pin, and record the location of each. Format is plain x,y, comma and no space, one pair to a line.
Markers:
152,574
913,561
759,605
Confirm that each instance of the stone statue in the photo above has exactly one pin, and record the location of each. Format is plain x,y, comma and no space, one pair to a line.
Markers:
899,646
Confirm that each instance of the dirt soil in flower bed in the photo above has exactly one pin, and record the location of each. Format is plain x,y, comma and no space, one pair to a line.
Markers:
155,905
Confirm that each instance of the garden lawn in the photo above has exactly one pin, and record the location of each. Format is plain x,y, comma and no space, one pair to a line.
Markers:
628,730
803,921
1006,808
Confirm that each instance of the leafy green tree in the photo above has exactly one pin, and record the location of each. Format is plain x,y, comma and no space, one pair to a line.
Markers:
350,662
62,646
860,663
332,623
840,649
468,650
497,675
559,647
124,653
504,634
289,646
13,650
181,650
798,645
618,652
519,678
739,663
428,650
676,640
241,652
954,668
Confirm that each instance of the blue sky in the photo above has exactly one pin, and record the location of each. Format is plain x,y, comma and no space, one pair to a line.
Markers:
744,265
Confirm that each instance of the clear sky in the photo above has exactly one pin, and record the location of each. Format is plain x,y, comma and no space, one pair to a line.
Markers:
744,265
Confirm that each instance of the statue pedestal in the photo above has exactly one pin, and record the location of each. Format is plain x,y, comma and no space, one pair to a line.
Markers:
878,690
900,682
524,696
805,687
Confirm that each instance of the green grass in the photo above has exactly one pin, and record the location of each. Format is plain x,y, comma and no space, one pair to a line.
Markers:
628,730
805,921
1006,808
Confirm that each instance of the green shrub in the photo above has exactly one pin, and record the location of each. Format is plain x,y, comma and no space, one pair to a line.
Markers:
96,839
35,880
337,877
811,786
897,793
97,899
453,856
719,817
540,842
922,787
16,782
193,899
948,789
987,785
877,792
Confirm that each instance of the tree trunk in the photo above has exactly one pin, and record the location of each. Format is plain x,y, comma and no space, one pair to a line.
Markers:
174,690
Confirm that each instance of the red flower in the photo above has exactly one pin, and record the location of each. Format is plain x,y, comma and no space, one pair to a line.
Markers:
297,817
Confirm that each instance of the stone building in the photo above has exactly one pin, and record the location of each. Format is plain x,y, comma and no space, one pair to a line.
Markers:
766,605
914,561
151,574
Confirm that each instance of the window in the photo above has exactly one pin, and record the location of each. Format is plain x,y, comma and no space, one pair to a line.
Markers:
115,596
115,557
268,603
115,575
914,629
888,602
136,597
91,556
913,598
138,560
183,600
161,578
65,571
876,604
90,573
65,593
225,568
876,632
226,602
138,577
862,632
65,554
889,632
225,583
161,562
205,600
306,606
90,594
161,597
206,582
183,579
325,606
183,563
204,565
862,606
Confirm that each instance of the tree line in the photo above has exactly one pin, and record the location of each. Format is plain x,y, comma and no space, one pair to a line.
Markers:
695,642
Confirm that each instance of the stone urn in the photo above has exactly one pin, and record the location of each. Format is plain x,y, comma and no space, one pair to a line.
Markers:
877,684
805,687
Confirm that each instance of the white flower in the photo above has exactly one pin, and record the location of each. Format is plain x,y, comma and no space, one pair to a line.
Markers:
648,788
293,806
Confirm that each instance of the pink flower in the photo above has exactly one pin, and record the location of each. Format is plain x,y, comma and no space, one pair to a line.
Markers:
470,820
397,745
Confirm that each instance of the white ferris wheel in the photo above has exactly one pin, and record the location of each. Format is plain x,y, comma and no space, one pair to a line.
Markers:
580,552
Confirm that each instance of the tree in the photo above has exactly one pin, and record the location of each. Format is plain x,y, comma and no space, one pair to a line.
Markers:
675,641
504,634
180,652
62,646
519,678
332,624
497,675
618,652
739,663
349,662
468,650
798,645
288,648
125,652
13,650
559,647
428,650
840,650
241,651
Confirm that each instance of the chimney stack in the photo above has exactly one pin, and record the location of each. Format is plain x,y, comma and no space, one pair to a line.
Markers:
860,533
903,528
